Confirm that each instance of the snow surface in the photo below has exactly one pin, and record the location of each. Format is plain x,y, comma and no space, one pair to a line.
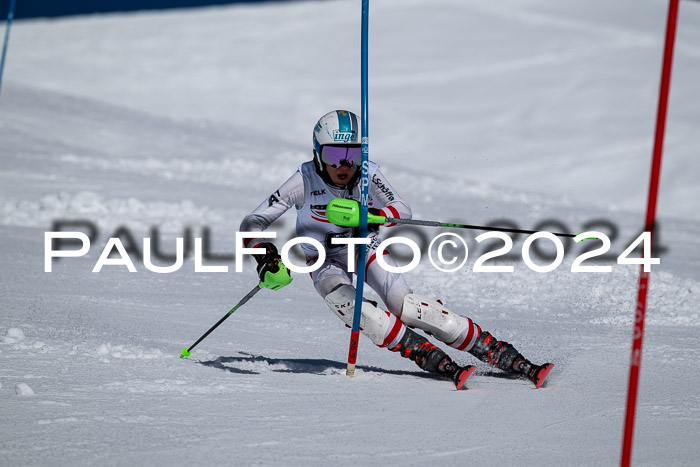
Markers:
23,389
518,110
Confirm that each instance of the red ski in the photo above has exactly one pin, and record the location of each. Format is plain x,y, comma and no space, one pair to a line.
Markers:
462,375
539,374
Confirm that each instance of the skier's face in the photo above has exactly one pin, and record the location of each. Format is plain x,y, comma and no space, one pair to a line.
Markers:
341,175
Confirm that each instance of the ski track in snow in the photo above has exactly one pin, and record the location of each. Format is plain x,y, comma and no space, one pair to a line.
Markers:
94,126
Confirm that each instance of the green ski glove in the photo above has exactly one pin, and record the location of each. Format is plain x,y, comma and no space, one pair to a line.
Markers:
276,280
346,213
272,272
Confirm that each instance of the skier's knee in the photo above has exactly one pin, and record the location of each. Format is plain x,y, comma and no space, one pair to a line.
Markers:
380,326
395,298
329,282
341,301
432,317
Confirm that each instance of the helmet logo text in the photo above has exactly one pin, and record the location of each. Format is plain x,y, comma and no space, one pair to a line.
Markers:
344,136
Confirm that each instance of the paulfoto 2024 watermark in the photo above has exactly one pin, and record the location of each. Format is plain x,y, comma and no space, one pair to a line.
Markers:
438,261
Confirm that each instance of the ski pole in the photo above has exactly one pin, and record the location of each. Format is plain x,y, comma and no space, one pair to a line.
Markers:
346,213
464,226
186,351
10,16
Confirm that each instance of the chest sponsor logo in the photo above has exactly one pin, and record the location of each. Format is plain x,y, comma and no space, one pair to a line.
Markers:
331,235
318,192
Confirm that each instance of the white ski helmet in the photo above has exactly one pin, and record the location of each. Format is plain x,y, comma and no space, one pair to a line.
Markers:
339,128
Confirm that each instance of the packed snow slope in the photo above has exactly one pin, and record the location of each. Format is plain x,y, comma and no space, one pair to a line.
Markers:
536,113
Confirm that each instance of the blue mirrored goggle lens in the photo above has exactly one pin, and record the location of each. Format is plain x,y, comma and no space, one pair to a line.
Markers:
335,156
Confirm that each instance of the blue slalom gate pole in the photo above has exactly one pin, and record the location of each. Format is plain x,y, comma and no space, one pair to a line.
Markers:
364,195
10,16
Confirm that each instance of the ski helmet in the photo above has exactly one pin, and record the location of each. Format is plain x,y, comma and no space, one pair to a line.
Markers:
337,128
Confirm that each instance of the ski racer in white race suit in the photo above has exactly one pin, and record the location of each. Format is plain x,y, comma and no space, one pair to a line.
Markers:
334,173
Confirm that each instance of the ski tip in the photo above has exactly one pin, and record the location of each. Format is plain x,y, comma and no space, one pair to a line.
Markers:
541,375
462,376
185,353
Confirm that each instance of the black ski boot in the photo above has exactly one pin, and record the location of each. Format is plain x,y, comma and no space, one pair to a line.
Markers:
502,355
535,373
431,358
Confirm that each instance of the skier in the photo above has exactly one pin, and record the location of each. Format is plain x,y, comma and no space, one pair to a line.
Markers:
333,173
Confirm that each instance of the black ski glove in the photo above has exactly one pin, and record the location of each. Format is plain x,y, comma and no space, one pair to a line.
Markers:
269,261
371,227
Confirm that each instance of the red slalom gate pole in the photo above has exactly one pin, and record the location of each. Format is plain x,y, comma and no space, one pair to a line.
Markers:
638,335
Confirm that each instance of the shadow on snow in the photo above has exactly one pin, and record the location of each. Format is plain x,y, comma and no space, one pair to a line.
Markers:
315,366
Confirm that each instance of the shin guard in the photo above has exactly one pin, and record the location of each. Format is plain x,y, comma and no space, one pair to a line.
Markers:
432,317
383,328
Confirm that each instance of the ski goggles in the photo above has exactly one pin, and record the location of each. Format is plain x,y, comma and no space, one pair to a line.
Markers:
335,156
